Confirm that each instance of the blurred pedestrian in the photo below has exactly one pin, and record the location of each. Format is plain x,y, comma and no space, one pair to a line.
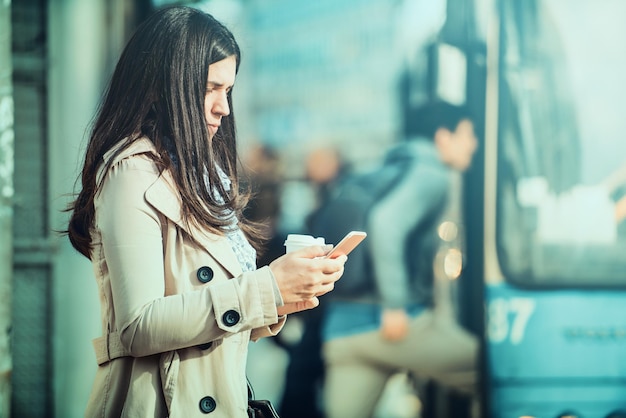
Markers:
262,166
160,217
304,376
393,326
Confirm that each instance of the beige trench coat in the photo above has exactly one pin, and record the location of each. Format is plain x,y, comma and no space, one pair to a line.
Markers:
176,316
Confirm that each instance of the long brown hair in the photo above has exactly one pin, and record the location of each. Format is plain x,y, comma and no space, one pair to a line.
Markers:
157,90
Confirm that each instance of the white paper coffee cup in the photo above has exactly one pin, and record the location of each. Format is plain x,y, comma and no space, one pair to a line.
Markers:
296,242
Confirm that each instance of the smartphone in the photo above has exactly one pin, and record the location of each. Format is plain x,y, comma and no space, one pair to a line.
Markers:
347,244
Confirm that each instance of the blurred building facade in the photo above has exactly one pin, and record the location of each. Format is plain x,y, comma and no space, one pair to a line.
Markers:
6,212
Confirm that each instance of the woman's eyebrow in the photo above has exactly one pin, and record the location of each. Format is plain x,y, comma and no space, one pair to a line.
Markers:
217,84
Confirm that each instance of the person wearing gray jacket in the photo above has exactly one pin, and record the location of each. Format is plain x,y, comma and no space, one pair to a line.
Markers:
395,326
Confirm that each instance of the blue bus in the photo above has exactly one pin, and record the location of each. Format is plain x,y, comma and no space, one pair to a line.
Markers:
544,280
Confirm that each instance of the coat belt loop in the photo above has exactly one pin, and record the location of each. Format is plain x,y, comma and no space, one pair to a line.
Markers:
109,347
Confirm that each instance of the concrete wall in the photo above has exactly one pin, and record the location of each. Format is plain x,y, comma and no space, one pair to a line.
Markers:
76,74
6,201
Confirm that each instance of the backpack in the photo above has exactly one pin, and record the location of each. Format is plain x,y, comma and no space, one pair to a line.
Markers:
347,209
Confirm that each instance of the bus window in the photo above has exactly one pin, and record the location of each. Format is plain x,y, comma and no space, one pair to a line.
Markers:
561,143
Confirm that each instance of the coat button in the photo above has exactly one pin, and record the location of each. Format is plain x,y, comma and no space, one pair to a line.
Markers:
207,404
204,274
205,346
230,318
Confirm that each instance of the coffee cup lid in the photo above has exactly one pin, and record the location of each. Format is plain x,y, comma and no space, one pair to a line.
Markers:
304,239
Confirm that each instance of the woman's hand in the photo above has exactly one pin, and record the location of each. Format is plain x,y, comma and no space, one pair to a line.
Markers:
290,308
304,275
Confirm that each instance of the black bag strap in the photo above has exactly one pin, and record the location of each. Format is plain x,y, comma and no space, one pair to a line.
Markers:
250,389
259,408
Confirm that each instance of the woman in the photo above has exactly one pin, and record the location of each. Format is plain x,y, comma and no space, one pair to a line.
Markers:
159,216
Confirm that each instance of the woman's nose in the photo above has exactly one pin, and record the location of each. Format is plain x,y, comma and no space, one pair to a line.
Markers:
221,106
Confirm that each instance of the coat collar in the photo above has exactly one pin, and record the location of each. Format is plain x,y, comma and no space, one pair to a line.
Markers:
164,197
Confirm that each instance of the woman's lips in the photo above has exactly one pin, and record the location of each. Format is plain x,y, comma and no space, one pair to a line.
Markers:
213,129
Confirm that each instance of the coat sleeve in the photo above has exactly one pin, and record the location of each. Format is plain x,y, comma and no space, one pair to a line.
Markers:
132,259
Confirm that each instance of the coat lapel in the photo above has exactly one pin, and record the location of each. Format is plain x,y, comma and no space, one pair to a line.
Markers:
163,196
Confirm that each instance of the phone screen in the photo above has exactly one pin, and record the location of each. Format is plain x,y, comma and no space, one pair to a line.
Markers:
347,244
